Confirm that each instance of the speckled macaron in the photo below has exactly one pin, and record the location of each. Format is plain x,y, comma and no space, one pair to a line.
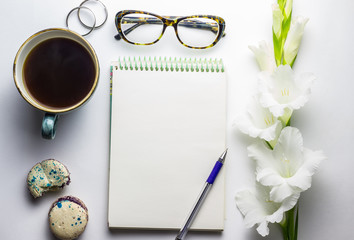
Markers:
48,175
68,217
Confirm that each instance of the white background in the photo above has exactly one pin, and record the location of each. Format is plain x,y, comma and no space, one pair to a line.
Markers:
326,121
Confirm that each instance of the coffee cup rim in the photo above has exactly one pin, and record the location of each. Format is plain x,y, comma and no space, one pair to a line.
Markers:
40,106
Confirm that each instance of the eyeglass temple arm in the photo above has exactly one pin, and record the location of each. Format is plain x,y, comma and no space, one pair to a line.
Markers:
189,24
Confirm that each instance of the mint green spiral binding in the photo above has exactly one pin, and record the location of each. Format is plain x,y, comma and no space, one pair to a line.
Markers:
171,64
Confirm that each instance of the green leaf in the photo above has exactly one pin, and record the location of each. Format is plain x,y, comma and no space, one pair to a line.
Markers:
292,63
286,26
271,144
284,33
278,49
281,4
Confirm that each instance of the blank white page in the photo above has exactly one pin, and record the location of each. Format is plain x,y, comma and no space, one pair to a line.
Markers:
167,132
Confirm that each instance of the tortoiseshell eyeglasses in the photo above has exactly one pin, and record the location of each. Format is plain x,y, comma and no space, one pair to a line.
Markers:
144,28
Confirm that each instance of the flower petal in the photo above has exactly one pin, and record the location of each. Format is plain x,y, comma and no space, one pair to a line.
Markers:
300,181
288,168
263,229
266,86
262,154
248,205
283,90
290,202
288,151
302,178
259,122
287,204
312,160
281,192
258,209
268,177
304,82
264,54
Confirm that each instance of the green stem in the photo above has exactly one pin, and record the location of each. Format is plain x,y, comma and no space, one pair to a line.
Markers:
296,222
285,232
289,224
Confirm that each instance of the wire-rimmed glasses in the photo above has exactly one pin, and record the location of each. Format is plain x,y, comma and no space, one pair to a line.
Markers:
144,28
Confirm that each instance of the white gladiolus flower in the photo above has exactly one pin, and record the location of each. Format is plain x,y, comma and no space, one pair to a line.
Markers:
264,54
293,40
288,168
282,90
259,122
258,209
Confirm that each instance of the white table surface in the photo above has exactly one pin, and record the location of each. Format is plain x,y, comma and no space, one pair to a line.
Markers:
326,121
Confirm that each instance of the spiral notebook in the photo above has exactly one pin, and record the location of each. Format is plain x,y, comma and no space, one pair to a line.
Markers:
168,122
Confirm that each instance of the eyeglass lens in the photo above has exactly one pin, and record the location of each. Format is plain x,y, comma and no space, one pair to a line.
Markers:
141,28
198,32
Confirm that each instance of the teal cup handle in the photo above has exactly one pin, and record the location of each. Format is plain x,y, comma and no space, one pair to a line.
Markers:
49,124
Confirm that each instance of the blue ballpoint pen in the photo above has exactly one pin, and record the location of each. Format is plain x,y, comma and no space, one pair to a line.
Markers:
209,182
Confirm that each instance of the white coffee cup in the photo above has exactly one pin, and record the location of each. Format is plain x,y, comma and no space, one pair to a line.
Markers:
51,113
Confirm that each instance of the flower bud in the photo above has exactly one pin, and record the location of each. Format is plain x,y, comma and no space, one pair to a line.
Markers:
264,54
277,20
293,40
288,8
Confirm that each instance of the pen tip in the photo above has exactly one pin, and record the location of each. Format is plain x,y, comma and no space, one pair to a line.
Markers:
223,156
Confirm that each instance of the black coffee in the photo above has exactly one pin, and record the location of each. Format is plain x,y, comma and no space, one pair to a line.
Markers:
59,72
